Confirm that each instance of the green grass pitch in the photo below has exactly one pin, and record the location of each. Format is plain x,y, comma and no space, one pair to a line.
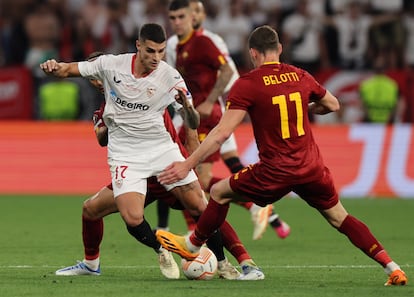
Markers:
39,234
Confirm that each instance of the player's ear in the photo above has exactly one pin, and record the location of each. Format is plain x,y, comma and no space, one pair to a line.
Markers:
253,53
137,44
279,49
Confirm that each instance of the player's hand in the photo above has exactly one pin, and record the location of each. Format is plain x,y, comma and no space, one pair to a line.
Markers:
50,66
183,96
173,173
97,119
205,109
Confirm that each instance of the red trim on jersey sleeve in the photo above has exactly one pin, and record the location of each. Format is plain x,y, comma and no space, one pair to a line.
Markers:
134,57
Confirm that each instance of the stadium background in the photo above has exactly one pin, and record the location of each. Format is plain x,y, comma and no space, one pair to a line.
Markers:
41,157
64,158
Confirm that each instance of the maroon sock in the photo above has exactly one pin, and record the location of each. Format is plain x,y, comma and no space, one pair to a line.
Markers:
246,205
92,234
359,234
232,243
211,219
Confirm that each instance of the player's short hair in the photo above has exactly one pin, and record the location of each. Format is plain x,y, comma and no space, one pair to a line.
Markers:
93,56
264,38
178,4
153,32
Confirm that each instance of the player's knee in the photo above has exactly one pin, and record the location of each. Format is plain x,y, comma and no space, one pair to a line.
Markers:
88,211
216,192
196,209
132,219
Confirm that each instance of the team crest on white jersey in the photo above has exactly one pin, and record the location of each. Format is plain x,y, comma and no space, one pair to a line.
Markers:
150,91
119,182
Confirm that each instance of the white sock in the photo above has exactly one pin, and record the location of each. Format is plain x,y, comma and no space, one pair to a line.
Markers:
92,264
391,267
273,217
192,248
254,208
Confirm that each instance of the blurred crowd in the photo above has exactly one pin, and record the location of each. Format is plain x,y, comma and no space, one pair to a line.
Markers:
316,35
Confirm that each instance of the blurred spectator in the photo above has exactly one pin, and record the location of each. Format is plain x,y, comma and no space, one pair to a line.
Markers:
114,28
408,23
234,27
14,42
77,41
380,96
302,39
149,11
257,15
386,39
354,32
353,26
43,31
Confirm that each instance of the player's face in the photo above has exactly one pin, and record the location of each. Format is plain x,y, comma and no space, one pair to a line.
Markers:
198,14
181,21
97,84
151,53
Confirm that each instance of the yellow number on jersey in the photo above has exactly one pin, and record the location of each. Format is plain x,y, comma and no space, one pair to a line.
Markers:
284,117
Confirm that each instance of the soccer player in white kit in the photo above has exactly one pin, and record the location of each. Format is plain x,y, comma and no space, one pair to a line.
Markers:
138,88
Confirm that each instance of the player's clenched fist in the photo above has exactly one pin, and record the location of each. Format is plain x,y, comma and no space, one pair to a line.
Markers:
49,66
60,69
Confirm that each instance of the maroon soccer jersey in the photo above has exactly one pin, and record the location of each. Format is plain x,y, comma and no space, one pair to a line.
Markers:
276,96
198,61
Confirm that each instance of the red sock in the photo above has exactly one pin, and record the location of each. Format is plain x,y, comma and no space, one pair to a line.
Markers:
359,234
92,234
246,205
191,224
232,243
213,180
211,219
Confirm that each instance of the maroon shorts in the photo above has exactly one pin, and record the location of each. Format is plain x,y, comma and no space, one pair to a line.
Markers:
258,184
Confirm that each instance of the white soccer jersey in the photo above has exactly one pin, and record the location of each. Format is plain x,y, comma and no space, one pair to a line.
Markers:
134,106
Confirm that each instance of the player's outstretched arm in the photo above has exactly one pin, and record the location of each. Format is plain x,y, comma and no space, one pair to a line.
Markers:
60,69
178,170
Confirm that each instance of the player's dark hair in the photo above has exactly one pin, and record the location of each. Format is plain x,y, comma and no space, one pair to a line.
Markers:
153,32
264,38
93,56
178,4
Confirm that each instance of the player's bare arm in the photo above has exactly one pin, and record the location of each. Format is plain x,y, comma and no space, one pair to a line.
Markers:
190,116
329,103
228,123
60,69
224,75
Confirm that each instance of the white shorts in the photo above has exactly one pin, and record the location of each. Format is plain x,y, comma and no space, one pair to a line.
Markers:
229,145
128,176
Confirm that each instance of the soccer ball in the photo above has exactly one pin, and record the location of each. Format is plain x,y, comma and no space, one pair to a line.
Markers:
203,267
